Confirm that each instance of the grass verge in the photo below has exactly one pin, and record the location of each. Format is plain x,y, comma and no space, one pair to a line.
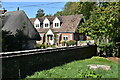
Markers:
79,69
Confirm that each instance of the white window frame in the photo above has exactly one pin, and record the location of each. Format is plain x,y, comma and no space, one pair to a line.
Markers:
56,23
47,25
46,21
71,36
37,23
65,37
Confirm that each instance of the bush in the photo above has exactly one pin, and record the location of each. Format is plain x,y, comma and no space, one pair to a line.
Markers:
52,46
71,42
63,43
38,45
107,48
42,45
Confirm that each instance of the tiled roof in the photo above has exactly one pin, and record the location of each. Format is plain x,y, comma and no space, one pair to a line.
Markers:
68,23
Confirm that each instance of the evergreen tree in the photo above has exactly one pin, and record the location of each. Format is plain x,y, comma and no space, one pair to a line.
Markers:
40,13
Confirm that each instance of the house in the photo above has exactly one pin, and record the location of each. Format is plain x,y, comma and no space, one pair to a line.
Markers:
15,21
55,29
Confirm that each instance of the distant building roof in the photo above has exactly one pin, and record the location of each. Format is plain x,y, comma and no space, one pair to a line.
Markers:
68,23
16,20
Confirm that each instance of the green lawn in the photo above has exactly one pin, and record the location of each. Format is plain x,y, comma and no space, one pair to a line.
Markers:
79,69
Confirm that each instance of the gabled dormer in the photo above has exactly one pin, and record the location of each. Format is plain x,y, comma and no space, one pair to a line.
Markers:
37,23
46,23
56,23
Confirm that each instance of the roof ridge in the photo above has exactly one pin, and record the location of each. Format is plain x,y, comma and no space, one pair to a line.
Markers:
15,11
58,16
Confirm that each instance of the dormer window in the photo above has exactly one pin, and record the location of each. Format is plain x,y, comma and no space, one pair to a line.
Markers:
46,23
37,23
56,23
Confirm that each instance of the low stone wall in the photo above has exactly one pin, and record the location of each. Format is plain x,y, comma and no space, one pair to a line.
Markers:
26,63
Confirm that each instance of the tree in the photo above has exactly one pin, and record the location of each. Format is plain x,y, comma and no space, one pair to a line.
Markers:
14,42
59,13
103,24
48,15
0,4
40,13
86,8
72,8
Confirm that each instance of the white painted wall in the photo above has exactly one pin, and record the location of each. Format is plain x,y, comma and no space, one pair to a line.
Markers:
46,21
50,33
56,20
36,22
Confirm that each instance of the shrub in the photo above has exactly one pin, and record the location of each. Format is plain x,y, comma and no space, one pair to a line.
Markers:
38,45
108,48
63,43
44,45
71,42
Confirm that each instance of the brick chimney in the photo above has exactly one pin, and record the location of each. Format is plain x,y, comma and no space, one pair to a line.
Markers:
3,11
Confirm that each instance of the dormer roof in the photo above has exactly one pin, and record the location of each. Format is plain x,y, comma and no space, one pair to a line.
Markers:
56,18
68,23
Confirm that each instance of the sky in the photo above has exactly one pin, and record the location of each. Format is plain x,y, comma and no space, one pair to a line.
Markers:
58,0
31,8
37,0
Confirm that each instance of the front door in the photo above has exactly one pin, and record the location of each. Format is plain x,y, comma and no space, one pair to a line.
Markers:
50,40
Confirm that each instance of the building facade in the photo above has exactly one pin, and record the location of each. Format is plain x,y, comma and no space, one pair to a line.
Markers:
55,29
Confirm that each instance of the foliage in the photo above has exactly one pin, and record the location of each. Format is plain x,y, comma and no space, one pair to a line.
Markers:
15,42
38,45
109,49
71,42
44,46
55,38
48,15
103,23
40,13
0,4
6,38
79,69
59,13
63,42
72,8
88,74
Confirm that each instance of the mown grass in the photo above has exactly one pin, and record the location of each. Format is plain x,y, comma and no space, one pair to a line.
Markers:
79,69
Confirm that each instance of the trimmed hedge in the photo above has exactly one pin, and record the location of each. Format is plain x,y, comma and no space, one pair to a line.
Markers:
71,42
